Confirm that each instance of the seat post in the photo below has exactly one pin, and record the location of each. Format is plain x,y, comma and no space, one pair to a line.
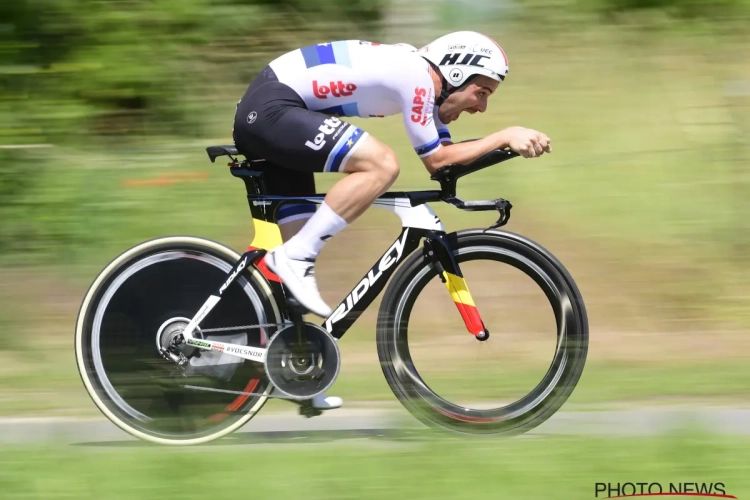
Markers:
255,184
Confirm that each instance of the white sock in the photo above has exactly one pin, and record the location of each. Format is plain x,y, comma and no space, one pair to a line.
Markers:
306,244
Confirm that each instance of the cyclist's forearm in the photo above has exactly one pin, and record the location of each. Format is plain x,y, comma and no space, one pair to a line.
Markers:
467,152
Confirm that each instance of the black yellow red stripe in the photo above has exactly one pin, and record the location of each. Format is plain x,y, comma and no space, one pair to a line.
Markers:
456,286
267,236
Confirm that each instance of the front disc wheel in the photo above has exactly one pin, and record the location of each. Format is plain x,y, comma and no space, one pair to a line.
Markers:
397,339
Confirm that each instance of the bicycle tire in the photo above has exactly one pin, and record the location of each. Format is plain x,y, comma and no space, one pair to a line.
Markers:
557,384
90,339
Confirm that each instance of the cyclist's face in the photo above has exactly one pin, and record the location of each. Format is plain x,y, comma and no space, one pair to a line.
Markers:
471,99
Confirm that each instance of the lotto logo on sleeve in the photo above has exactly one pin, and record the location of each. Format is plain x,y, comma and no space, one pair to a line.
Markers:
421,101
336,89
327,128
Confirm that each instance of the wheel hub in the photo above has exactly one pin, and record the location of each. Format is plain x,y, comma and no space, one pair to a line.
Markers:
167,337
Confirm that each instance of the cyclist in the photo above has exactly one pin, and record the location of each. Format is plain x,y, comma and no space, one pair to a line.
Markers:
291,116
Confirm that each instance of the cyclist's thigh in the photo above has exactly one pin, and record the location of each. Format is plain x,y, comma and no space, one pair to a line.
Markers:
258,132
372,155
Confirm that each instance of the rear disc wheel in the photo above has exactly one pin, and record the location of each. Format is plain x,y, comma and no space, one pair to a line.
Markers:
142,300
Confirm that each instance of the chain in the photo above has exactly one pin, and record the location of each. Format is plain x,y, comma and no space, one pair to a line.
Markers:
225,391
243,327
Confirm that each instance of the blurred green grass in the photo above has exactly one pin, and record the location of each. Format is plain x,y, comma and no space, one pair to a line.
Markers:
537,468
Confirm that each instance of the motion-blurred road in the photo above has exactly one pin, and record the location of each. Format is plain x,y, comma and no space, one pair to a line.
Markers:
344,424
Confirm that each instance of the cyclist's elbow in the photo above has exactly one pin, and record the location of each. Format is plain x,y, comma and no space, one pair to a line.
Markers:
434,161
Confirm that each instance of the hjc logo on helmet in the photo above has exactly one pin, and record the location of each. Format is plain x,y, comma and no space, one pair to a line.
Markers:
327,128
468,59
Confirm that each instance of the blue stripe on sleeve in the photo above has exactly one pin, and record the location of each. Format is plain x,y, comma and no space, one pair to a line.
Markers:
426,148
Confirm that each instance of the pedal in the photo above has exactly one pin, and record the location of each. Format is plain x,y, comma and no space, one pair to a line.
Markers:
306,410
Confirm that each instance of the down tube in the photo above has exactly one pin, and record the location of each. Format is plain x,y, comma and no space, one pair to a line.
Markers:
369,287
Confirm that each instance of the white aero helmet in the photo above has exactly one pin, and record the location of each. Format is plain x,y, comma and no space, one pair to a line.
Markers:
464,54
410,48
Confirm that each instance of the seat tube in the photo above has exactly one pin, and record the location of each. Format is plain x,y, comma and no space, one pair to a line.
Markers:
438,247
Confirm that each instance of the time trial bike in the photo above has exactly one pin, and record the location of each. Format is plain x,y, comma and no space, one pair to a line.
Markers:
181,340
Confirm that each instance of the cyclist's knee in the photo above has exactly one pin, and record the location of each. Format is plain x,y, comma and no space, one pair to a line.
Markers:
376,158
383,163
388,166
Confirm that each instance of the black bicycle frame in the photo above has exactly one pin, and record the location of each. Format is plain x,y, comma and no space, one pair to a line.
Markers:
437,246
370,286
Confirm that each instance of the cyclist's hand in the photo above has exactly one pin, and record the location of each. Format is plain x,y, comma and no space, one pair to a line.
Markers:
527,142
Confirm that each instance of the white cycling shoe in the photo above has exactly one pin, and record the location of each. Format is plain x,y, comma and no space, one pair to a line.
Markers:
299,277
323,402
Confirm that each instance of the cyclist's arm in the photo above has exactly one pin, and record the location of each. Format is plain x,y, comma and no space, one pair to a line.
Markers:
418,102
465,152
442,128
415,91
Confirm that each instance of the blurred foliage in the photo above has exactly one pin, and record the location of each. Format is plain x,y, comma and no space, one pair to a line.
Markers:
97,78
73,70
679,8
685,16
126,66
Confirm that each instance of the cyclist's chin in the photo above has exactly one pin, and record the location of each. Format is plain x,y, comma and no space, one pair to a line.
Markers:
449,118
